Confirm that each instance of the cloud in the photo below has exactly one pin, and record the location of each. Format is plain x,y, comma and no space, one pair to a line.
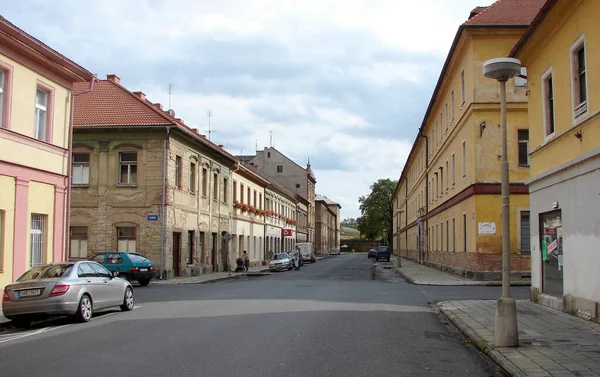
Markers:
344,83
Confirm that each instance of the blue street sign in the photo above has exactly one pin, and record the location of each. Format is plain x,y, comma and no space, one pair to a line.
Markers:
152,217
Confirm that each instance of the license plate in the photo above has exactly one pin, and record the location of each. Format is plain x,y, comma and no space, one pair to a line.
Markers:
143,269
29,292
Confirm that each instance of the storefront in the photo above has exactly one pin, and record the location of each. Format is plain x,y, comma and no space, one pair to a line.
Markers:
552,253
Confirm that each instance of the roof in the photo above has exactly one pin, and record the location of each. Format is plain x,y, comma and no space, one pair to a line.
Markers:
36,49
507,13
109,104
533,27
501,14
326,200
273,183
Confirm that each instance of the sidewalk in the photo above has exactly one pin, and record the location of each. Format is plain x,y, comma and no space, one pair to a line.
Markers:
423,275
212,276
551,343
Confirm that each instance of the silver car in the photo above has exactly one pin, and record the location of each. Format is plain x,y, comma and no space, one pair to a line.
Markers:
71,288
280,262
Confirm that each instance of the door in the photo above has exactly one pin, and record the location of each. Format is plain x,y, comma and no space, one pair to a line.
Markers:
93,284
110,288
177,253
213,252
552,252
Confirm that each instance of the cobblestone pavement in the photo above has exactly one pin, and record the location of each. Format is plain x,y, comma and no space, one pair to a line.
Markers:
551,343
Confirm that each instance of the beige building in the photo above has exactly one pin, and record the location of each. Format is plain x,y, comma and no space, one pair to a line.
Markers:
143,181
327,224
447,201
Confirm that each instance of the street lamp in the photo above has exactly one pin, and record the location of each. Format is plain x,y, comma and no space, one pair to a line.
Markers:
506,329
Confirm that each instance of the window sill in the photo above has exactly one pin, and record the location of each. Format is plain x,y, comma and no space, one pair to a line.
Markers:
130,185
80,185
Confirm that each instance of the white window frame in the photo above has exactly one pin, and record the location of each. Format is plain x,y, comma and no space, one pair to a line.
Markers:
580,108
41,112
463,88
453,169
129,164
126,244
519,142
464,158
37,239
193,168
545,105
80,174
178,171
447,174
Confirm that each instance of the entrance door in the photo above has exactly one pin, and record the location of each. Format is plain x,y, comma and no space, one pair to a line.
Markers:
213,253
552,252
176,253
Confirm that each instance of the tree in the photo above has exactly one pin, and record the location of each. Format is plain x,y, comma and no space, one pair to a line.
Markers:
350,223
377,211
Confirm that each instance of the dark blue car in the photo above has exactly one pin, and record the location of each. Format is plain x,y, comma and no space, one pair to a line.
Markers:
383,252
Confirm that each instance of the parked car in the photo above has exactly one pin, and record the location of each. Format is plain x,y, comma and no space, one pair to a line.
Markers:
383,252
334,251
307,251
74,289
371,253
129,266
280,262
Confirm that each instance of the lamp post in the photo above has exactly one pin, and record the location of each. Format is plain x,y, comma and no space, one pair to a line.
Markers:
506,329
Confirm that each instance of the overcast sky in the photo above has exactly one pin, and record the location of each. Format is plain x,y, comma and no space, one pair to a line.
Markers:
343,82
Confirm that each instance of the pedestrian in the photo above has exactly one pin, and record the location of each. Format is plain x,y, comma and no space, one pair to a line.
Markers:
246,260
297,259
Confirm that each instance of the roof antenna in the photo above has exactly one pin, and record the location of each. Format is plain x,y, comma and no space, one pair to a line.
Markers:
270,139
169,96
256,147
209,114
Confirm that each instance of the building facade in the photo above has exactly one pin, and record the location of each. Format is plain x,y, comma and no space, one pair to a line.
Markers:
327,224
143,181
301,181
561,53
249,214
447,202
36,91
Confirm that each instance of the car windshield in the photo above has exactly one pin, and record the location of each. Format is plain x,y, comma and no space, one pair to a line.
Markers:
46,272
137,258
281,256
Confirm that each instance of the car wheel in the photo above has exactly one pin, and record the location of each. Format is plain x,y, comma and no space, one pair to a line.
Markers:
21,322
85,309
144,282
128,301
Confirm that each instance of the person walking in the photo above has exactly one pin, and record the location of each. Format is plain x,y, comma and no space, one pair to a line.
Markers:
297,259
246,260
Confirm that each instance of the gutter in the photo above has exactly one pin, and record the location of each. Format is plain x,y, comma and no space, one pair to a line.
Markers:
67,234
162,216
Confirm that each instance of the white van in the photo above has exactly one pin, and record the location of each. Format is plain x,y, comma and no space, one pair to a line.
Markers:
307,251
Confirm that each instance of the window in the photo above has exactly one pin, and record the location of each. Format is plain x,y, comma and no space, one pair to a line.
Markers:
442,236
126,239
178,171
235,197
548,98
41,114
81,169
241,193
579,80
453,235
525,233
192,177
447,173
447,236
279,168
441,181
447,116
215,186
190,244
248,197
79,242
128,168
453,169
464,158
37,240
465,232
204,182
254,200
453,106
260,201
523,147
225,187
2,96
462,87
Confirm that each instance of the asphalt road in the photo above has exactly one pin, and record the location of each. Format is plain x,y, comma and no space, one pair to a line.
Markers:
334,318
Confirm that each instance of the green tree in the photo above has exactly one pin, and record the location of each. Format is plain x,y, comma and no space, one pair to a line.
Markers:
377,211
350,223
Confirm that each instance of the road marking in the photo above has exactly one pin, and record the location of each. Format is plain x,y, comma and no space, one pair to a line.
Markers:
36,332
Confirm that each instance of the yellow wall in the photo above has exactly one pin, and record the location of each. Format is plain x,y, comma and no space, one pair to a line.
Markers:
24,85
41,202
549,48
489,209
7,204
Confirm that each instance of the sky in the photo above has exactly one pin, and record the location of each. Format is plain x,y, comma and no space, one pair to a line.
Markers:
344,83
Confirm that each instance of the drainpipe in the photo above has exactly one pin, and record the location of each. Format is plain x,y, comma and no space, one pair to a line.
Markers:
68,178
162,216
426,232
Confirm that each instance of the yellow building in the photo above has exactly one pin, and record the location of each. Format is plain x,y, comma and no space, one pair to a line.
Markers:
447,201
35,107
562,55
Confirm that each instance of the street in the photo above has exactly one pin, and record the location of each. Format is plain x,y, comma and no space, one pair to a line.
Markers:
337,317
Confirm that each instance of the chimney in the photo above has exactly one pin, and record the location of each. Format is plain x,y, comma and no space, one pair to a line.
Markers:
195,130
158,105
476,11
140,95
220,146
114,78
203,136
180,120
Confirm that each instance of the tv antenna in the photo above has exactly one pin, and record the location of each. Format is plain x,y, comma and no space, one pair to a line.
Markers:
209,114
270,139
169,96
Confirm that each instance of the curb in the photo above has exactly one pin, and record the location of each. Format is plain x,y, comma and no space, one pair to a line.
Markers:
481,344
263,272
479,283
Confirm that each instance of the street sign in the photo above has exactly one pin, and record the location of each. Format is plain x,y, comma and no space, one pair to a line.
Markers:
152,217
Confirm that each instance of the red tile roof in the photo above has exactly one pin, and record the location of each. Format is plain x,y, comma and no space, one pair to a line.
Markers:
111,104
507,13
